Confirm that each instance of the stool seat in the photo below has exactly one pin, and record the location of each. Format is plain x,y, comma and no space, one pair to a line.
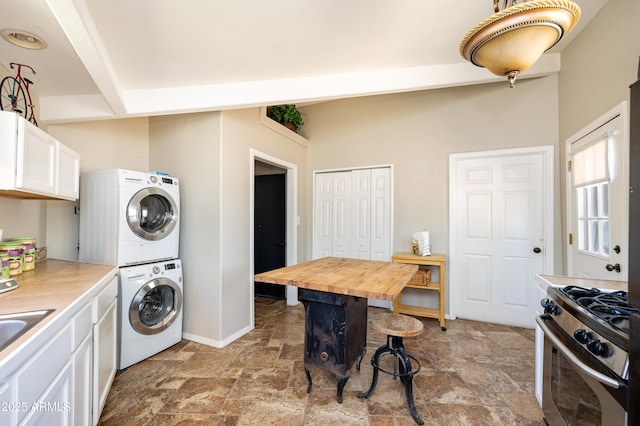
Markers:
397,325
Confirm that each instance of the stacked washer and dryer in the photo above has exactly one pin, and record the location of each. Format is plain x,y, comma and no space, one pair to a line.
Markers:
132,219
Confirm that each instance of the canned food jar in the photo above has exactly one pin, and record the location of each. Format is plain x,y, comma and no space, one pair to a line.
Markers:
4,266
14,253
28,251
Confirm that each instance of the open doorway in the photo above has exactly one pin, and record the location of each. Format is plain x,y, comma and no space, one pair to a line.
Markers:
269,225
259,159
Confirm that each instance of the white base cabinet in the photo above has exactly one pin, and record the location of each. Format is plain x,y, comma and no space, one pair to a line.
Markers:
65,379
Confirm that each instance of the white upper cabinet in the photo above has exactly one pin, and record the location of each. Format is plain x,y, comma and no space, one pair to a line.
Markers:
35,159
33,164
68,176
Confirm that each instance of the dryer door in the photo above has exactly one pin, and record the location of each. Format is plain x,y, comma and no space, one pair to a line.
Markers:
152,214
156,306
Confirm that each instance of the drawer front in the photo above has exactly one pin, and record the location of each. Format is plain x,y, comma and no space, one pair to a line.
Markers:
105,298
82,325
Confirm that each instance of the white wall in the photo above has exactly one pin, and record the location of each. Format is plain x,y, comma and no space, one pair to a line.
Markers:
23,218
242,131
188,147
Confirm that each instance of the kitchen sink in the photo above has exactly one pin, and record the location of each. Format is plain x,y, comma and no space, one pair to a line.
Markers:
14,325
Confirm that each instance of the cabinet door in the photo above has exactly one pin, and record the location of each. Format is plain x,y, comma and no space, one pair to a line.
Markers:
68,176
37,374
7,416
104,358
82,382
54,408
36,160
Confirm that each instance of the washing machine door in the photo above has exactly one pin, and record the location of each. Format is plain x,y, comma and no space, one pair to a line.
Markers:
156,306
152,214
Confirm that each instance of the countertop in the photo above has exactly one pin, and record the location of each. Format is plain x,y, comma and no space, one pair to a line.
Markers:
53,284
562,281
353,277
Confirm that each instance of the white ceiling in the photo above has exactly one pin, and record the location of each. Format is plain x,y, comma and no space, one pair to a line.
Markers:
126,58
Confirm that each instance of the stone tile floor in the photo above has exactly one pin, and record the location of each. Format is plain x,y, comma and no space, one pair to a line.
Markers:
472,374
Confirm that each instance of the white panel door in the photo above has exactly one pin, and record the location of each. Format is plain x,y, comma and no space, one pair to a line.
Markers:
380,214
361,226
323,229
499,225
341,238
598,199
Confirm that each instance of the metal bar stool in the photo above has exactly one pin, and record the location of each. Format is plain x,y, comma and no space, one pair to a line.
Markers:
396,326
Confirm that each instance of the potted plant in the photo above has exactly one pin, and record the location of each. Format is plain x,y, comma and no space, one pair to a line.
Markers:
287,115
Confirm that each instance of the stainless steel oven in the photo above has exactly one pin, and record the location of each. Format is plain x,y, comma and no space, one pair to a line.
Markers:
585,361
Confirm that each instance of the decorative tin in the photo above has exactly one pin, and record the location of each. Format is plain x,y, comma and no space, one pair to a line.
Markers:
29,251
14,251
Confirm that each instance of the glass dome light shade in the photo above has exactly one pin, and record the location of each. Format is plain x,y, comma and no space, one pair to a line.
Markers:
512,40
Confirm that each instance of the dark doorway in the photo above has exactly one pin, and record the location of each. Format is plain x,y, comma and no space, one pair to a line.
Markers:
269,230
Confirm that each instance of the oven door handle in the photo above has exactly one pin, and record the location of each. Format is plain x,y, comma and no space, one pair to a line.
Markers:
602,378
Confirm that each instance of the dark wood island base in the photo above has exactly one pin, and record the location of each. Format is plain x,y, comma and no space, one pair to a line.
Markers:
335,334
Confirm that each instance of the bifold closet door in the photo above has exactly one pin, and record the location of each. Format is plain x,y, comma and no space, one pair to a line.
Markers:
353,214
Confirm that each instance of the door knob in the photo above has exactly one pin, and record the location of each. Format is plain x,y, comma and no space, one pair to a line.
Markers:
537,250
611,267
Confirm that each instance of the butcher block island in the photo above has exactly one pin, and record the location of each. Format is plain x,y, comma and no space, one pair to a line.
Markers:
351,277
334,292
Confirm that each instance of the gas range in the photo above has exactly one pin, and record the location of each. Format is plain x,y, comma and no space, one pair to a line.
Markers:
596,321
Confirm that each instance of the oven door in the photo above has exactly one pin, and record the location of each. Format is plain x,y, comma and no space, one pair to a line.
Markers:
574,391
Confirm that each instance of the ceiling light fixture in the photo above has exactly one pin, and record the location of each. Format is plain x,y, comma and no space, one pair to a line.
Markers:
513,39
24,39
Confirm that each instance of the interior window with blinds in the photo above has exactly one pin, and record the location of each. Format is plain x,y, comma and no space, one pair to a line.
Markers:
590,173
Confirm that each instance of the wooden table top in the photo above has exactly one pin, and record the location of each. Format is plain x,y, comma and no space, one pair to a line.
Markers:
353,277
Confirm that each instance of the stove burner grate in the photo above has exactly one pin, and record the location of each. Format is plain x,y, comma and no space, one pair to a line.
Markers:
612,307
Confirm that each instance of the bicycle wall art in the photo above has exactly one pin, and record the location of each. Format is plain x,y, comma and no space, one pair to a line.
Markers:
14,93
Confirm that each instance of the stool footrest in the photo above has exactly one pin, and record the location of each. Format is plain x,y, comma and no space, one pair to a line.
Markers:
396,373
402,369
